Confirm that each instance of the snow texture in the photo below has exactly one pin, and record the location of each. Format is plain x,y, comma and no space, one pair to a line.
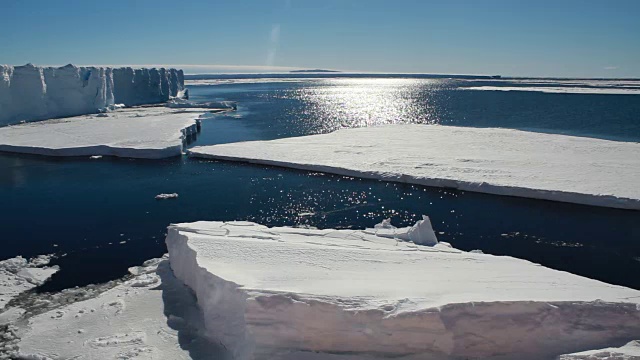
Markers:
30,92
149,132
19,274
280,293
152,315
488,160
630,351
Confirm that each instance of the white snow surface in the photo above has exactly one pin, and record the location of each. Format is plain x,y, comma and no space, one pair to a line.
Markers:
150,316
560,89
19,274
146,132
34,93
629,351
488,160
283,293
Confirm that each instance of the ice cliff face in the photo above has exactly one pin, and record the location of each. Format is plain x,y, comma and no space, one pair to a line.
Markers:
34,93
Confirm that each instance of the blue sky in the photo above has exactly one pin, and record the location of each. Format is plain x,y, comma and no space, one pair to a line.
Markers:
510,37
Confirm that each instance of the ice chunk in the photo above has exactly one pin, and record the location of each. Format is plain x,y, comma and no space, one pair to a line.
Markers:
420,233
186,104
166,196
34,93
495,161
265,292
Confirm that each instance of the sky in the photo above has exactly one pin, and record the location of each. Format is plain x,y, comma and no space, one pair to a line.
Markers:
561,38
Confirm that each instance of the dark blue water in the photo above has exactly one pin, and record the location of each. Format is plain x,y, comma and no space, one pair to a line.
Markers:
100,216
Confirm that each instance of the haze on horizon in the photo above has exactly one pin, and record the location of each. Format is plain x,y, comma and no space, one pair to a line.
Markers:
567,38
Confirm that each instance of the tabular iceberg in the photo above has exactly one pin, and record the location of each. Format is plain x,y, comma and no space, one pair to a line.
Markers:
34,93
292,293
488,160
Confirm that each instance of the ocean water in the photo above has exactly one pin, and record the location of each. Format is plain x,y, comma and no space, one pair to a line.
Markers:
100,216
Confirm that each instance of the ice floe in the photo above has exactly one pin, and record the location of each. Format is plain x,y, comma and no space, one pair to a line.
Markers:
147,132
167,196
560,89
292,293
34,93
488,160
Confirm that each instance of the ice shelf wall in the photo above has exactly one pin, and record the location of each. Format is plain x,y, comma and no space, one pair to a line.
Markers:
31,92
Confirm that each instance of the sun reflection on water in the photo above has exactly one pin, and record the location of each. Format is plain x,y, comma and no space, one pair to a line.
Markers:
337,103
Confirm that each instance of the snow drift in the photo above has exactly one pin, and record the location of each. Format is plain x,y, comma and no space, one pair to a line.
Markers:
34,93
268,293
487,160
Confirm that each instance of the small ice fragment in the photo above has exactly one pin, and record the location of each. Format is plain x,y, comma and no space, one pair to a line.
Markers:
166,196
477,251
422,232
385,224
95,157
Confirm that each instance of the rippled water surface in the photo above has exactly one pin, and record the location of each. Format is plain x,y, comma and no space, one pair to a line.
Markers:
100,216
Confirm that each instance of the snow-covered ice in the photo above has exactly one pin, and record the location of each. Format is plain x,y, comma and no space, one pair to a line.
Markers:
167,196
148,132
19,274
34,93
292,293
489,160
187,104
629,351
151,315
560,89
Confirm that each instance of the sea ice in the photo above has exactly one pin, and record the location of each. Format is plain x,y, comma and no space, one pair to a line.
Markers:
292,293
559,89
148,132
630,351
166,196
18,275
34,93
488,160
151,315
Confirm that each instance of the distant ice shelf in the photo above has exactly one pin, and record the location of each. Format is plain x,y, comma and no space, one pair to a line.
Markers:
35,93
487,160
294,293
146,132
560,89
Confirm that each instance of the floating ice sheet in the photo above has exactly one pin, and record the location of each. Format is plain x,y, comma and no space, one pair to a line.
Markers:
488,160
267,292
149,132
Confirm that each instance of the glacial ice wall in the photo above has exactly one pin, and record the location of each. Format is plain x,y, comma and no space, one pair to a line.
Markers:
31,92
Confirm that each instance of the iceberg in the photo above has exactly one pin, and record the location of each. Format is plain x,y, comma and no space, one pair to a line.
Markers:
30,92
147,132
487,160
298,293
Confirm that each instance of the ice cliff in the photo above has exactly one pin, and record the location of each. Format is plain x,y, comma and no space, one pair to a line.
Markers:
34,93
